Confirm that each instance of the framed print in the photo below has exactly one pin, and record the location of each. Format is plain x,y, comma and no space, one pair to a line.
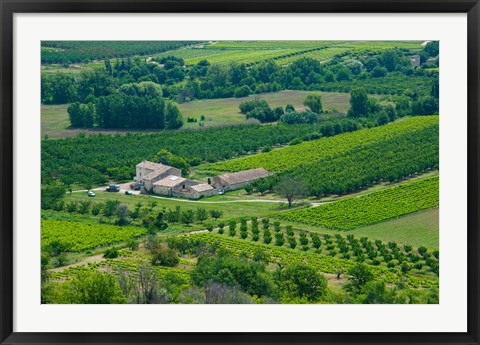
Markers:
254,172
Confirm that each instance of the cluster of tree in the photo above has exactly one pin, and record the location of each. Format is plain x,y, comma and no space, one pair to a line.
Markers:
408,104
61,88
67,52
165,157
136,105
260,109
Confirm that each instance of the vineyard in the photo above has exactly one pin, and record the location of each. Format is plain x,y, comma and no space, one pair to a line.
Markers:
331,264
290,157
348,214
128,261
282,52
85,51
348,161
80,159
77,236
192,56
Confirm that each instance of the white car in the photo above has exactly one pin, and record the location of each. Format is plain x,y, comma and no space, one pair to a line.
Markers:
91,194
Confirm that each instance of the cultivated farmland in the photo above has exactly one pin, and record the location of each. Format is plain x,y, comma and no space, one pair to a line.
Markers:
348,214
240,172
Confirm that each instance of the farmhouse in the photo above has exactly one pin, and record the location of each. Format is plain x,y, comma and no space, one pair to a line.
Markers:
147,173
232,181
165,180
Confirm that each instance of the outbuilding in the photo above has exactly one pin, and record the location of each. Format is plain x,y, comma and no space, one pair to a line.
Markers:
237,180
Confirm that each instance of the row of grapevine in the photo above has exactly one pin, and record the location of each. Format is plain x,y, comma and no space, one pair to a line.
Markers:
378,206
78,236
346,162
84,51
81,159
128,261
287,158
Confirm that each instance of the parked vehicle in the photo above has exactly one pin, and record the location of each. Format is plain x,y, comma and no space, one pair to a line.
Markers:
91,194
128,192
113,188
136,186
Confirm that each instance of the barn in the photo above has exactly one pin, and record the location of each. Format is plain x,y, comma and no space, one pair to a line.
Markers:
237,180
202,190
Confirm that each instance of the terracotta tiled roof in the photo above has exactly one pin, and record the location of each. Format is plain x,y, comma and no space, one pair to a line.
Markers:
244,176
203,187
152,165
170,181
157,168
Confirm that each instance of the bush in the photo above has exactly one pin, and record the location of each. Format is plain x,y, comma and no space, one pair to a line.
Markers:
422,250
299,117
295,141
164,256
111,253
243,91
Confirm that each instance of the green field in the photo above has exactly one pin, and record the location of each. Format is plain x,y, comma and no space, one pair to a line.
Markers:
290,157
231,208
78,236
348,215
351,213
55,119
283,52
417,229
347,162
218,111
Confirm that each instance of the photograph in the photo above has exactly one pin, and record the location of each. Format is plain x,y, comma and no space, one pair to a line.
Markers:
240,172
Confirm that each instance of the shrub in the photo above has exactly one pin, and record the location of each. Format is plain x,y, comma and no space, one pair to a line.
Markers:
111,253
422,250
164,256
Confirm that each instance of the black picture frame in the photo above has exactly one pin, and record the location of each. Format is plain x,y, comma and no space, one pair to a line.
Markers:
9,8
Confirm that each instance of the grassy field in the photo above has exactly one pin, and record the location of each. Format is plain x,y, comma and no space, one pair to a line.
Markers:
355,212
226,110
55,120
74,69
231,209
421,228
417,229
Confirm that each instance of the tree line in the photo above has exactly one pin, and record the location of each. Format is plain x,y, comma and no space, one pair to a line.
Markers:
205,81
